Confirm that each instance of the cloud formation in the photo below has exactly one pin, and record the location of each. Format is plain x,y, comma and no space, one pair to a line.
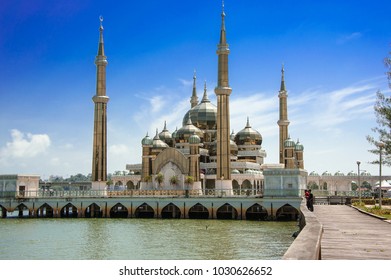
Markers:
25,145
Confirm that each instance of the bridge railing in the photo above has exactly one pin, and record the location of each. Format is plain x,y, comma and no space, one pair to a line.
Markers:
142,193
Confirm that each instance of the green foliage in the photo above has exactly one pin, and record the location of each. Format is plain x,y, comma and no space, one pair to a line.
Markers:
383,118
159,179
189,180
174,180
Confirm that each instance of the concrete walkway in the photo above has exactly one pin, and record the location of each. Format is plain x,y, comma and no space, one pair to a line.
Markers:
352,235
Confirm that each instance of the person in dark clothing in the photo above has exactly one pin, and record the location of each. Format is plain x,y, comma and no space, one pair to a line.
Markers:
310,201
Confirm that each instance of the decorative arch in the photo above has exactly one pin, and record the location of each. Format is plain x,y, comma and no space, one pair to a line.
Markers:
171,211
144,211
93,211
198,211
45,211
227,212
287,213
171,155
69,211
118,211
235,185
256,212
3,212
22,208
130,185
247,184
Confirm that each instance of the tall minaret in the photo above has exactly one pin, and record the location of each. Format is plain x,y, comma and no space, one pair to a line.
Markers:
194,97
99,157
223,92
283,122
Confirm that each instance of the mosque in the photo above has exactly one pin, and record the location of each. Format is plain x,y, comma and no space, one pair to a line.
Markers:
203,154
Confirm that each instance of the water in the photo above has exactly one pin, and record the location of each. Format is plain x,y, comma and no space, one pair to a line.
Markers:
143,239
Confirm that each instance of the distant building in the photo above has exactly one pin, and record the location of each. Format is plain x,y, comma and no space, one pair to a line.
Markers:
17,185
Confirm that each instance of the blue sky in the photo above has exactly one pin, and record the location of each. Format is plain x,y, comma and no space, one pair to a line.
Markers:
333,54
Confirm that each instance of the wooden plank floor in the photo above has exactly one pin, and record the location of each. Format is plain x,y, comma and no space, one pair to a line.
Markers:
351,235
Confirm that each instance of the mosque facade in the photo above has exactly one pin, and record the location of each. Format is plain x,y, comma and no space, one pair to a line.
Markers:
203,154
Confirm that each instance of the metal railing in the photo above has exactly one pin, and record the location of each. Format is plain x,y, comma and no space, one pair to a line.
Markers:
145,193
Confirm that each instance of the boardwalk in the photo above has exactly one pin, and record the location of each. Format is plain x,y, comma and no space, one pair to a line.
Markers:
352,235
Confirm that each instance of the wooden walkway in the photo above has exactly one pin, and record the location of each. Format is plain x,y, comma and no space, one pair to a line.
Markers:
352,235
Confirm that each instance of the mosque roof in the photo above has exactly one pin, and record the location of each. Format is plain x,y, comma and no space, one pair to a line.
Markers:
248,134
203,115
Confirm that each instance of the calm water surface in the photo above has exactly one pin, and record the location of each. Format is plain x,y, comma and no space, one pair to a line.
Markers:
143,239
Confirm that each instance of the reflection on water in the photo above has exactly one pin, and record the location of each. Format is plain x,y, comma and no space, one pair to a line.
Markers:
143,239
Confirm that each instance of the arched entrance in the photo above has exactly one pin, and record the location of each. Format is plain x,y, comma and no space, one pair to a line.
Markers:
93,211
171,211
22,211
45,211
130,185
198,211
227,212
69,211
144,211
118,211
287,213
3,212
256,213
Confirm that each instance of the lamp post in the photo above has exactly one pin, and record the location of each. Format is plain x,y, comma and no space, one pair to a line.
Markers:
381,146
358,185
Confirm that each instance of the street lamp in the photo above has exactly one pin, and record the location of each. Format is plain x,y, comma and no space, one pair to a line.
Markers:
381,145
359,188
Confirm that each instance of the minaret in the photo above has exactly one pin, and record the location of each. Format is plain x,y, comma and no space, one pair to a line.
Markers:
194,98
223,92
283,122
99,160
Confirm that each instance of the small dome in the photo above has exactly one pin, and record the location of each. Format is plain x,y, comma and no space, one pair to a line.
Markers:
188,130
203,115
194,139
299,146
233,135
165,135
248,135
157,143
326,173
233,148
352,173
339,173
289,143
173,135
146,140
314,173
365,173
235,171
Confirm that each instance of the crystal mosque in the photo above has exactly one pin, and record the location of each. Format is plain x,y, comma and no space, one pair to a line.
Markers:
203,153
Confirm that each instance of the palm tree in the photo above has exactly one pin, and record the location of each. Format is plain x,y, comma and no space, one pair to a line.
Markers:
174,180
189,180
159,179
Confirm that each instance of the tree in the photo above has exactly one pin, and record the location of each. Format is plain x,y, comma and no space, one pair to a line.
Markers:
189,180
159,179
383,118
174,180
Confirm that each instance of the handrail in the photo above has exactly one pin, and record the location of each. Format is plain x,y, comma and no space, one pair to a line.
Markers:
307,245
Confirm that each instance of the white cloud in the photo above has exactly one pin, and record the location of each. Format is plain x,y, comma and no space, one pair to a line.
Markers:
25,145
349,37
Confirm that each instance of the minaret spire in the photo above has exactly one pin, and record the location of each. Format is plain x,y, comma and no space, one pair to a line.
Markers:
282,88
194,97
99,158
283,122
223,91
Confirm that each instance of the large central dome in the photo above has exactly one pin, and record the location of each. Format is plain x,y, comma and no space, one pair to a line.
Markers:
203,115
